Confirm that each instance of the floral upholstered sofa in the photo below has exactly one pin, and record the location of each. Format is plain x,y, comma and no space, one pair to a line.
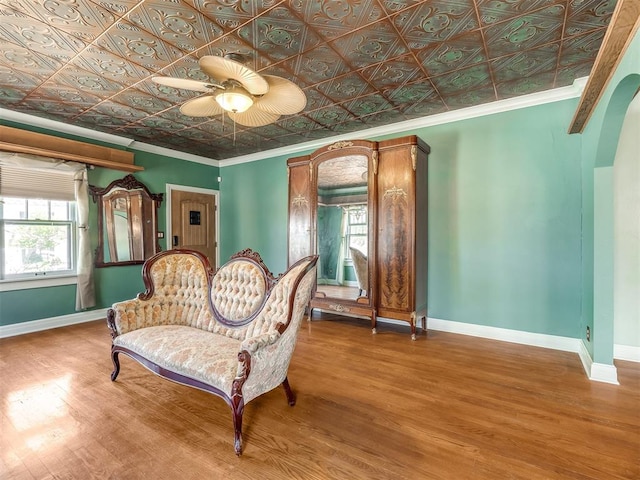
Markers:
231,333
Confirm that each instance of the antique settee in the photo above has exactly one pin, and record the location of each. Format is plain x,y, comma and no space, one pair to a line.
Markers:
231,333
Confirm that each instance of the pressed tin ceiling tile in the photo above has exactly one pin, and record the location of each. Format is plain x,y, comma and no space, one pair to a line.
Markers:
142,101
318,65
111,66
468,98
78,78
526,64
116,110
80,19
393,72
176,23
29,63
332,19
345,87
279,34
527,31
370,45
435,21
16,81
586,15
526,85
581,48
138,46
460,81
27,32
462,51
494,11
368,105
410,93
66,94
361,63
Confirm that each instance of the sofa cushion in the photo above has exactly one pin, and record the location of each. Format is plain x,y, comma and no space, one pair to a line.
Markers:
188,351
238,290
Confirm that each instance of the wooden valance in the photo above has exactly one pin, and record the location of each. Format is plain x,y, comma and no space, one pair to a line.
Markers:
23,141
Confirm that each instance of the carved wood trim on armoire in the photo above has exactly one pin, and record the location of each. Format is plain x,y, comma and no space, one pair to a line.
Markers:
393,192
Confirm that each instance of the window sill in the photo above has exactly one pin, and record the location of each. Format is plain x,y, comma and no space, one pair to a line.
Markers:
29,283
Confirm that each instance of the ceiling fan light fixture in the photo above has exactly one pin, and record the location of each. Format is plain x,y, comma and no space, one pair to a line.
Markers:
234,99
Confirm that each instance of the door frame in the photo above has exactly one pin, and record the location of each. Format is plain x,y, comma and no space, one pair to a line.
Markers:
186,188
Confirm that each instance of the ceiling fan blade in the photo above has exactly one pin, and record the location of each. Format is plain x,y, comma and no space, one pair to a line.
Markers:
254,117
224,69
185,84
283,98
205,106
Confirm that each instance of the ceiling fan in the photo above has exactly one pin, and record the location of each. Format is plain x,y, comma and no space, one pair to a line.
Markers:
250,99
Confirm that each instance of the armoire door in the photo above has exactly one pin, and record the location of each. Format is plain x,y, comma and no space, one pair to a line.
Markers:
402,230
396,227
300,204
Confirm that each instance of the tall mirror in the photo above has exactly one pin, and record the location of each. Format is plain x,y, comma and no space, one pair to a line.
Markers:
127,222
342,227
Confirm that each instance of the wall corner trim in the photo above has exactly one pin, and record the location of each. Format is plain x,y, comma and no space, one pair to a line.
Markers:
597,372
53,322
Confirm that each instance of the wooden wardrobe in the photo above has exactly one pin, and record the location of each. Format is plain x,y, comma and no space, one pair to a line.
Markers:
371,196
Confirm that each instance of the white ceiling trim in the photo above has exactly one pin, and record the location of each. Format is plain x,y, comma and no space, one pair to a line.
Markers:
540,98
524,101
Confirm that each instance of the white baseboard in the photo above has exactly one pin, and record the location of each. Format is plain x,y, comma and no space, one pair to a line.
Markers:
53,322
626,352
598,372
554,342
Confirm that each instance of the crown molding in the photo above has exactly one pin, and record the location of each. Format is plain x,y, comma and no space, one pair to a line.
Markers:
555,95
61,127
167,152
56,126
524,101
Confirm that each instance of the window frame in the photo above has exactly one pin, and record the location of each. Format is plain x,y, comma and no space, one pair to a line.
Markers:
348,234
46,277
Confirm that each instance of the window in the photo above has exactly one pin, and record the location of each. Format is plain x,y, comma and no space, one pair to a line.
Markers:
356,228
37,221
37,237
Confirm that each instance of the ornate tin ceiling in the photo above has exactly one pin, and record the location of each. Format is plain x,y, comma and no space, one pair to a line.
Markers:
361,63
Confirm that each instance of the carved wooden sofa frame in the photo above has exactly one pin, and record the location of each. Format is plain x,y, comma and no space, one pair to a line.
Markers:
231,333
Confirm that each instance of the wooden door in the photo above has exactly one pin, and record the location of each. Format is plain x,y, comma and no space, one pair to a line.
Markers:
193,222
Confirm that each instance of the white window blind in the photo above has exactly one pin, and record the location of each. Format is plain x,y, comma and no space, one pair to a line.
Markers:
36,183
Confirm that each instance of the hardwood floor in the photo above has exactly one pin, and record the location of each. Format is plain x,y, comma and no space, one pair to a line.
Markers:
377,407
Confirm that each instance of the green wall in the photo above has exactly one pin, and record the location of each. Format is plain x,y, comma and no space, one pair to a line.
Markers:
600,140
253,206
112,283
504,218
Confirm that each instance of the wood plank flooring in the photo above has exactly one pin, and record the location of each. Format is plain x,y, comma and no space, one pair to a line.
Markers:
369,407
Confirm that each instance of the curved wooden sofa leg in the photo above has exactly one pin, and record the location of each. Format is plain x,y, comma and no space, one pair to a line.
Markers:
291,398
116,365
237,406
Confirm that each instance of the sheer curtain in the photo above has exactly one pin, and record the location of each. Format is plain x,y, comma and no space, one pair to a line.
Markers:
85,293
10,181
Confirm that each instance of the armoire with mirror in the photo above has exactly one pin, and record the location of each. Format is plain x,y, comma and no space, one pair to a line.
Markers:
362,207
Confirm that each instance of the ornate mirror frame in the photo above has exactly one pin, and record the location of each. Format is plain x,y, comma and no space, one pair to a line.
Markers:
127,222
349,153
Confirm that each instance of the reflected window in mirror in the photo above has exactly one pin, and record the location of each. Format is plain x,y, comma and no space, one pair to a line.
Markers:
341,223
127,222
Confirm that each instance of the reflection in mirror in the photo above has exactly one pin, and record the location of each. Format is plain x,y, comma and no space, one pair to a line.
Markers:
127,222
342,226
